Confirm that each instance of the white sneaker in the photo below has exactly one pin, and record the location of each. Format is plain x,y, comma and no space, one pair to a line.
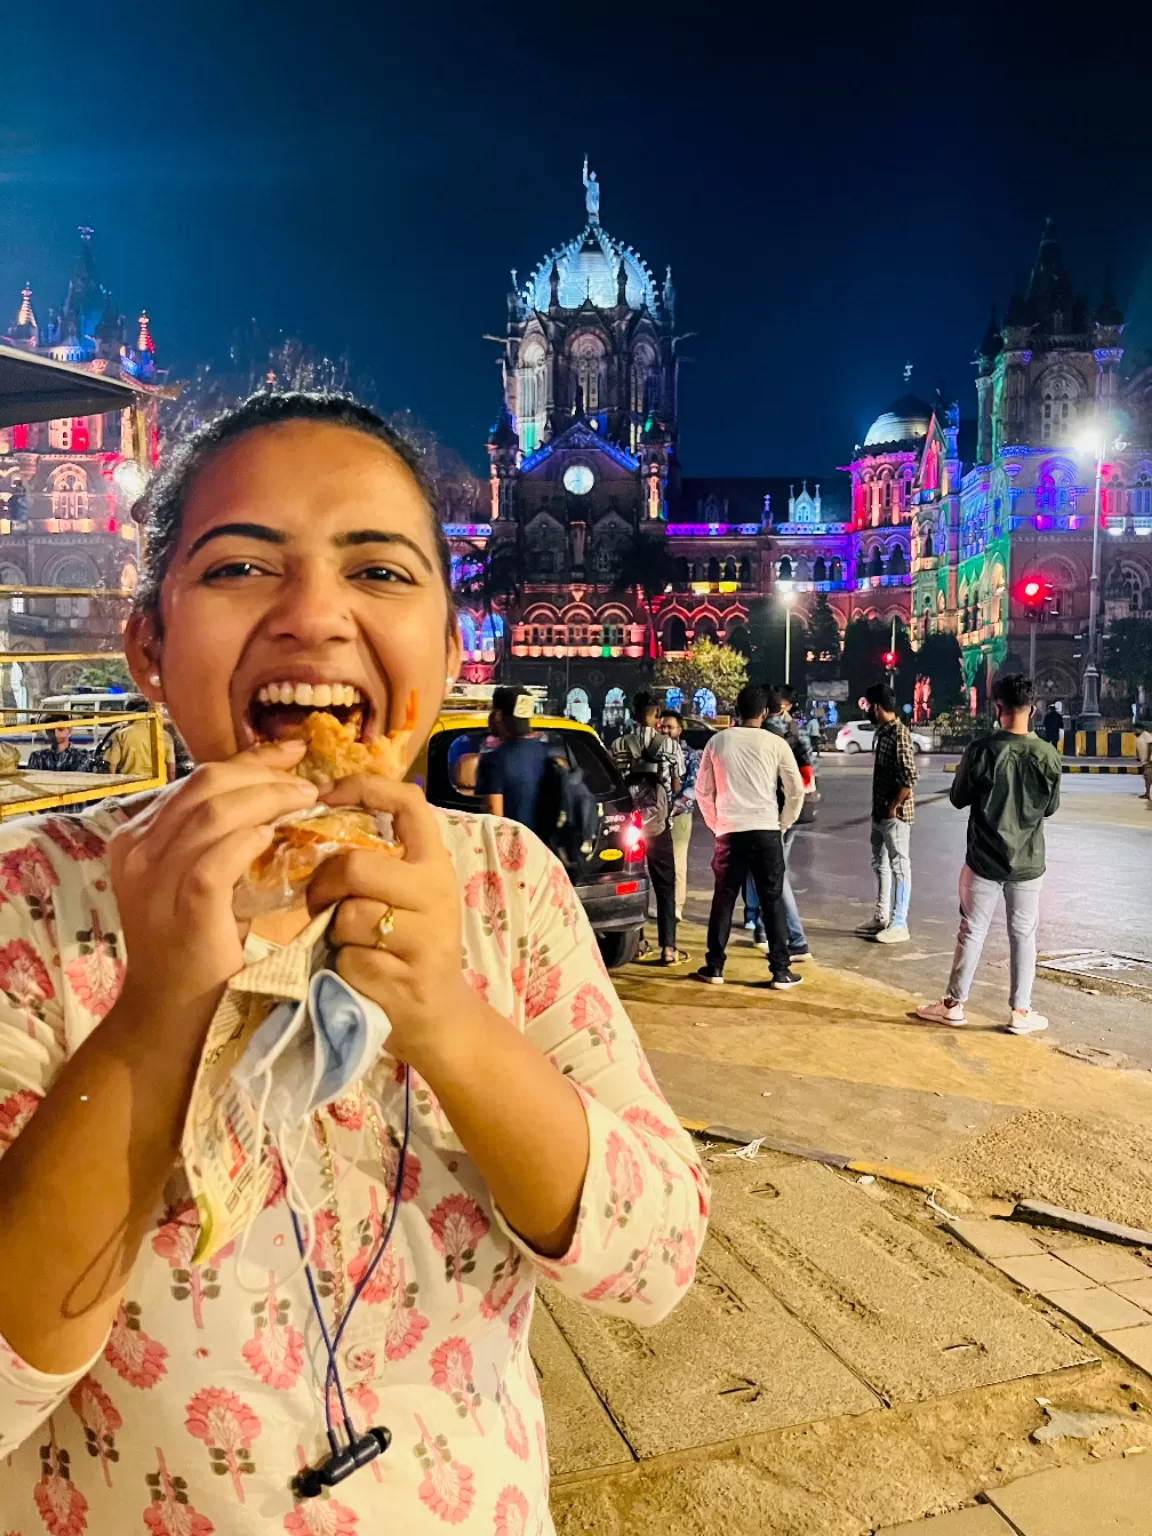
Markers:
870,929
942,1012
679,914
893,935
1026,1021
762,945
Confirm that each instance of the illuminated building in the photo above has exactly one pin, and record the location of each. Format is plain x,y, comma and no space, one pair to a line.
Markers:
65,486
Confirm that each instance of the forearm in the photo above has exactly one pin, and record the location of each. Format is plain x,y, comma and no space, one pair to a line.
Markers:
521,1122
495,805
79,1186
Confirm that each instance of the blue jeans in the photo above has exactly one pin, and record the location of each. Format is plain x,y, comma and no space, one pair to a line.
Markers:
978,901
891,859
797,939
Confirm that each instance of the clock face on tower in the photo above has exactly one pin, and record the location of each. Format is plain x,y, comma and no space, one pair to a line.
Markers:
579,479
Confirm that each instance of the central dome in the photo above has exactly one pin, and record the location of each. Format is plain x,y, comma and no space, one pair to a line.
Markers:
905,421
588,265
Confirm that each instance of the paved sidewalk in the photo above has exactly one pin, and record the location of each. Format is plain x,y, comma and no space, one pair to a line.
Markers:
1099,1499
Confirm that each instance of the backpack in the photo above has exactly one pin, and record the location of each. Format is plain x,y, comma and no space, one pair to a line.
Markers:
647,773
567,812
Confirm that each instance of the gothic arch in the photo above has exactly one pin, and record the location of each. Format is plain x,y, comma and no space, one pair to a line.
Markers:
588,370
674,634
532,393
1056,398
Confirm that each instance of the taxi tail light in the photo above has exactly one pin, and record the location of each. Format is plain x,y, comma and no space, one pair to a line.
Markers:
634,839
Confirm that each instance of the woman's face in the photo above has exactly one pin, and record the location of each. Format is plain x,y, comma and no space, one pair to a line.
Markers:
305,558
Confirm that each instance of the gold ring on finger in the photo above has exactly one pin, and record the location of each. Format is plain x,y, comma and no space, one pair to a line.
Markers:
385,926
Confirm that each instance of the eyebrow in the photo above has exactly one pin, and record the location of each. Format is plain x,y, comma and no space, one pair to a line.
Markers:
266,535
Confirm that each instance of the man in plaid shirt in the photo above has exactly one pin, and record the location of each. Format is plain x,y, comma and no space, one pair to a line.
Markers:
893,812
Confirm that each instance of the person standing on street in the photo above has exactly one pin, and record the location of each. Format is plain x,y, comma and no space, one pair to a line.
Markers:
1052,725
893,812
1144,758
683,801
815,733
508,778
648,760
61,756
736,789
1010,782
779,719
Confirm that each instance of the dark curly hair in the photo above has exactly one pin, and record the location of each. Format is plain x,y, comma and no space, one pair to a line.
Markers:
160,510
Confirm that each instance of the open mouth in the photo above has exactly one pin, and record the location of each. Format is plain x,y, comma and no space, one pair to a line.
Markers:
277,711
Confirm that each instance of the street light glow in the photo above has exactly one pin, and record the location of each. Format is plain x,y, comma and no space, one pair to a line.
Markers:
787,593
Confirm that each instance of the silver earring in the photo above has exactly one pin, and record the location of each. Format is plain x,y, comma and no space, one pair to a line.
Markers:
449,681
154,679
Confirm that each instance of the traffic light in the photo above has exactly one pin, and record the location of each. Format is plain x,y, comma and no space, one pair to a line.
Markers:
889,659
1034,593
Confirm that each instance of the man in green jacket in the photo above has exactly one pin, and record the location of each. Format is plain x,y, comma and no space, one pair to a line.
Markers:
1010,782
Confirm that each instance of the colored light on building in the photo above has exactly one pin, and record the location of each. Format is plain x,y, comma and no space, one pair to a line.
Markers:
468,530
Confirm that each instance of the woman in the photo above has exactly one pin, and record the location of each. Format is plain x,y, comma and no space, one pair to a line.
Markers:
294,543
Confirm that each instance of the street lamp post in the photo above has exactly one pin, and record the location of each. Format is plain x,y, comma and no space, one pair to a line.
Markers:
1090,716
787,597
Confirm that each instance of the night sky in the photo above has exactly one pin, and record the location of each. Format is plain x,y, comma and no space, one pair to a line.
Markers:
835,197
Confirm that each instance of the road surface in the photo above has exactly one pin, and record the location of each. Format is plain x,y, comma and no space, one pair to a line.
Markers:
1097,894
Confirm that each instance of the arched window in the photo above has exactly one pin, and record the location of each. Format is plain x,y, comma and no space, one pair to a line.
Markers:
587,372
1140,496
675,635
1057,404
785,570
13,576
929,551
75,573
683,573
69,493
906,491
713,569
745,576
704,703
531,401
820,569
835,570
705,628
729,570
491,630
897,564
887,497
876,564
737,640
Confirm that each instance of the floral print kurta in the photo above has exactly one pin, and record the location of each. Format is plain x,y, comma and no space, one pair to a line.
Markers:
207,1397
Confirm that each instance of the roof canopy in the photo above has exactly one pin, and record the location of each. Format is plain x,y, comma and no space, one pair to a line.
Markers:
35,388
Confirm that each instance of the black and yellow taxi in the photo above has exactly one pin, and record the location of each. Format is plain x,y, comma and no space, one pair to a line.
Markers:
610,877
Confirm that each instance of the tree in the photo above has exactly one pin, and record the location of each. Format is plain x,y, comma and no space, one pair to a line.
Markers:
1128,655
824,637
766,630
106,674
707,665
938,660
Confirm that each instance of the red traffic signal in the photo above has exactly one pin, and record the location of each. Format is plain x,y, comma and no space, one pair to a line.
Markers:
889,658
1033,592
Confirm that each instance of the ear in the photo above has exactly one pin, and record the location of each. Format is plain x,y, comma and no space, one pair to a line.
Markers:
142,653
453,655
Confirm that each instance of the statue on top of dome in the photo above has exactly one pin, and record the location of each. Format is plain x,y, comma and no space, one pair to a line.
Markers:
591,194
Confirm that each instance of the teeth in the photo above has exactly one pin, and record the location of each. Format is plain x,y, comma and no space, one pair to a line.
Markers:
310,695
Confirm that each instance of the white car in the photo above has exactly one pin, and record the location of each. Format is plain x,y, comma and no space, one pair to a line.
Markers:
860,736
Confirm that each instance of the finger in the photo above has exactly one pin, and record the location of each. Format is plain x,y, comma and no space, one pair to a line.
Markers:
218,869
416,824
373,972
379,876
170,847
357,922
172,810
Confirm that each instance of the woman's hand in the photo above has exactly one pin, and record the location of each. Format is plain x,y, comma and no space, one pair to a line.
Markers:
414,972
175,867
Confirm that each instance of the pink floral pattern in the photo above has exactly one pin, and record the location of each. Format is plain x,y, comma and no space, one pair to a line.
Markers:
208,1396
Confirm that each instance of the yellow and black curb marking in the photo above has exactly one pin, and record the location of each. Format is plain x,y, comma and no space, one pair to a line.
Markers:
1075,767
813,1154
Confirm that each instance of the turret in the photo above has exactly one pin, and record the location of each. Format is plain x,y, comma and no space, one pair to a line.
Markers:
25,329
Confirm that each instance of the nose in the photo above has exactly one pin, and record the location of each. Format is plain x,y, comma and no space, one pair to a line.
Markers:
313,607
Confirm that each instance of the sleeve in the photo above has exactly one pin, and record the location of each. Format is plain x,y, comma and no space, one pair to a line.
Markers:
793,787
706,789
960,792
488,777
644,1207
32,1052
1054,798
906,774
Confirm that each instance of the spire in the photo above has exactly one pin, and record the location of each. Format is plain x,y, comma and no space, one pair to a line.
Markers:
503,433
621,284
554,285
1108,312
144,342
992,344
26,328
1049,288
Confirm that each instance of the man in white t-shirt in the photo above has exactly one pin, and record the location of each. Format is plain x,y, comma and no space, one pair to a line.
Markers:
736,791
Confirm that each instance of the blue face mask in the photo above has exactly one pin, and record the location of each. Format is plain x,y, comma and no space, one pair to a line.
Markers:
305,1055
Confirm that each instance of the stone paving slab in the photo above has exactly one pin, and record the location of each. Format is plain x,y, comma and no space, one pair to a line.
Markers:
1041,1274
1139,1291
904,1310
993,1239
1097,1308
1102,1498
581,1434
1105,1266
980,1520
1135,1344
730,1361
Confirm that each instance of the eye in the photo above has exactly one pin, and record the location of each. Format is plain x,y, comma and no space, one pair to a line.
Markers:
382,574
233,570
